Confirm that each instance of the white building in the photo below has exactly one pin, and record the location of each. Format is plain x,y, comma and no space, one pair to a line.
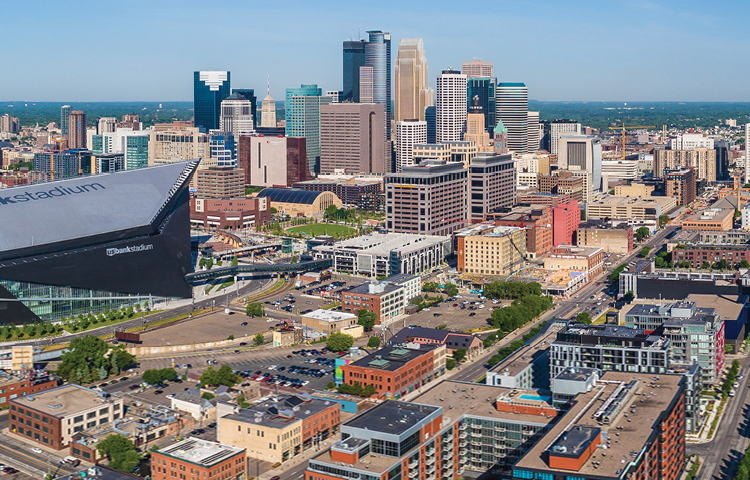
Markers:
747,154
133,144
411,284
614,170
532,134
268,112
477,69
451,106
236,116
582,152
558,128
335,95
267,163
106,125
512,106
691,141
408,134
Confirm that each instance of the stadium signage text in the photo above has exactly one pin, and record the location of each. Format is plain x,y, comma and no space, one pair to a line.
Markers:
111,252
52,193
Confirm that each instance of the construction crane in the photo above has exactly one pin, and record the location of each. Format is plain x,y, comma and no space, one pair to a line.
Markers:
624,128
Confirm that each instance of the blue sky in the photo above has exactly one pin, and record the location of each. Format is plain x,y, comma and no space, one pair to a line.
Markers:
583,50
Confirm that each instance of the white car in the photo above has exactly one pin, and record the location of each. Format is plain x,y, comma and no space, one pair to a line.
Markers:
481,306
36,450
171,395
426,309
736,385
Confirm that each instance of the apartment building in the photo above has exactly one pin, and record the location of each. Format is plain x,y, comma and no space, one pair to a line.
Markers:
680,184
15,386
565,220
711,219
492,185
201,458
612,239
169,146
636,208
563,183
220,182
589,260
384,299
490,250
535,219
428,199
701,160
454,151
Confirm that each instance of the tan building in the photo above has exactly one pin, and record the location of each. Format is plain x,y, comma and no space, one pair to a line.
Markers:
477,69
630,207
563,183
589,260
490,250
612,239
460,151
288,337
533,162
171,146
352,138
220,182
634,190
300,203
412,92
327,321
475,131
712,219
701,160
77,129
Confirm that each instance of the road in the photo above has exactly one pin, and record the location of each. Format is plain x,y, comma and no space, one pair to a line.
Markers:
18,455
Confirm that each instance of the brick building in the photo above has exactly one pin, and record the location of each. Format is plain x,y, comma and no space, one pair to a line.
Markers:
382,298
395,371
195,458
699,254
220,182
349,191
711,219
565,220
18,386
433,336
535,219
230,214
490,250
612,239
680,184
273,160
564,183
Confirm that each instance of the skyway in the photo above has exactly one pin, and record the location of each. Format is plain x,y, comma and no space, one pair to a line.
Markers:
258,268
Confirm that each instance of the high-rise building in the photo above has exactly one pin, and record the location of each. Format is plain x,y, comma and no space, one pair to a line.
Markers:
680,184
477,69
484,88
512,108
273,161
268,112
378,56
106,125
9,124
532,134
721,147
412,90
64,119
177,145
366,85
582,152
210,88
220,182
689,141
475,131
492,185
130,120
303,119
336,95
223,149
249,93
354,57
701,159
429,118
555,129
77,129
428,199
352,138
236,115
133,145
450,108
408,133
747,154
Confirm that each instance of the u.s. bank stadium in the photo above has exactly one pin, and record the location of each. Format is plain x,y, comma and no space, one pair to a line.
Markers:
78,245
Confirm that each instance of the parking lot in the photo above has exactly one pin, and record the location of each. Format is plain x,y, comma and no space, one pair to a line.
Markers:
455,318
213,327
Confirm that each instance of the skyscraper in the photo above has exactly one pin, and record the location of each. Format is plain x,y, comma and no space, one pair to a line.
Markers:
512,108
475,131
64,119
408,133
209,89
378,56
412,89
747,154
450,108
351,138
268,112
484,88
249,93
106,125
236,117
532,132
354,57
303,119
366,86
557,128
582,152
429,117
477,69
77,129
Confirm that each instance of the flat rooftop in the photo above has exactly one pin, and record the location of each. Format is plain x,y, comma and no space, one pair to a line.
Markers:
727,307
392,417
615,200
279,412
392,357
365,288
629,428
578,374
329,316
63,401
202,452
710,215
382,244
524,356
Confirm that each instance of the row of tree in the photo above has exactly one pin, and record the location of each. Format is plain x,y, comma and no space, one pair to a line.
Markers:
511,290
90,359
223,376
520,312
728,384
31,330
155,376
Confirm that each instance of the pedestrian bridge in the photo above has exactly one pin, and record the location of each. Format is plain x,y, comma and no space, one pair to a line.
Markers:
219,272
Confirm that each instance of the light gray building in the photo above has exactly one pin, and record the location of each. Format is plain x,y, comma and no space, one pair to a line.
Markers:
492,184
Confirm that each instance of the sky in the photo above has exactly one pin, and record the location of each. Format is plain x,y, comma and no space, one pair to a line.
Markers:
139,50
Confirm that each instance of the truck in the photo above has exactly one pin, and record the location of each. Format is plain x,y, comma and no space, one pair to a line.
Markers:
298,284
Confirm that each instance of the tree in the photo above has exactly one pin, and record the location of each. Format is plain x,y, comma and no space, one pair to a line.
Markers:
207,395
202,262
223,376
259,338
442,326
744,264
230,337
151,376
255,309
430,287
120,451
91,353
705,265
663,220
629,296
642,233
274,211
459,355
209,263
366,318
339,342
584,318
331,211
645,251
450,364
451,290
235,262
373,342
169,374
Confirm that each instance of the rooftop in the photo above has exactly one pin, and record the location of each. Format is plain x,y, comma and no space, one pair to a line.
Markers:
329,315
710,215
63,401
614,200
382,244
578,374
607,407
204,453
290,195
392,417
391,358
375,288
401,278
282,411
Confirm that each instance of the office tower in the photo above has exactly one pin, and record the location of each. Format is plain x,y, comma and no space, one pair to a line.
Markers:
485,89
133,145
352,138
450,108
690,141
557,128
747,154
722,159
366,85
428,199
303,119
584,153
168,146
475,131
492,184
273,161
9,124
336,95
477,69
220,182
354,57
532,132
411,82
130,120
408,133
378,56
236,115
429,117
680,184
512,105
64,119
458,151
209,89
268,112
77,129
223,149
249,93
106,125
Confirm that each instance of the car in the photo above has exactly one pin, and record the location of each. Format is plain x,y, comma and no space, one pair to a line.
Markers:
736,385
242,344
211,425
103,384
123,379
236,351
10,470
455,304
243,324
171,395
290,356
276,477
36,450
472,314
426,309
739,377
158,392
134,387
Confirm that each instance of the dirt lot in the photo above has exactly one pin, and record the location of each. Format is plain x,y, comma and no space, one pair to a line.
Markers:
454,317
211,328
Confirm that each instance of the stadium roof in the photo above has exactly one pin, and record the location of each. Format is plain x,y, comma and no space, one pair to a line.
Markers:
289,195
81,207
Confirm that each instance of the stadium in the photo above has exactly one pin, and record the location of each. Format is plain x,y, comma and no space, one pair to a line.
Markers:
89,243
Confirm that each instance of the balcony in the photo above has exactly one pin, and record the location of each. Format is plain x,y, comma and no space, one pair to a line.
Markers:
463,426
501,429
463,435
476,434
413,464
431,451
414,473
448,439
430,469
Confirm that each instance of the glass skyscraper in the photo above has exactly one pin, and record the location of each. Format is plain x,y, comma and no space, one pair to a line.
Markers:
484,88
249,93
512,108
303,119
430,118
136,151
223,149
209,89
378,56
354,57
64,119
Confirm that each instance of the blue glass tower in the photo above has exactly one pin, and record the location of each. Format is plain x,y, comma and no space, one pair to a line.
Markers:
354,57
484,88
209,89
378,56
303,119
431,119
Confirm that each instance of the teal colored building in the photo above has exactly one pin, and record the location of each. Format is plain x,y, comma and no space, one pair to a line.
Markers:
303,119
136,151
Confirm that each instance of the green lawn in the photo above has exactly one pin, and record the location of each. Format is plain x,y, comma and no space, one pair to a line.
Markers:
315,229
